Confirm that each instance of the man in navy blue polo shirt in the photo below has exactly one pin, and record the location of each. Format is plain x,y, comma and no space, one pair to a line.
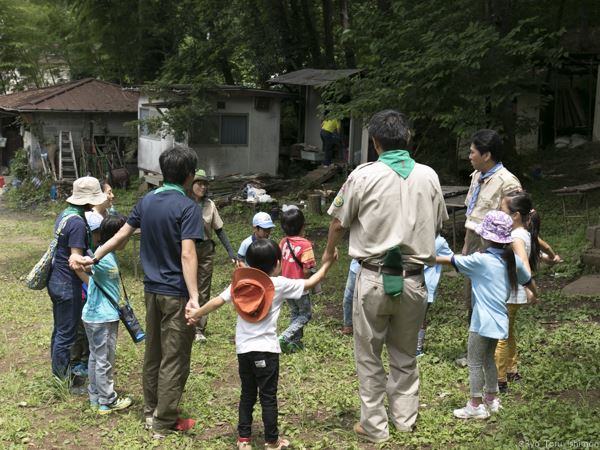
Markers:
170,223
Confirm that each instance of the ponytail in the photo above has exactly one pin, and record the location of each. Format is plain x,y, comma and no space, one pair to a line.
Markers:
511,266
533,226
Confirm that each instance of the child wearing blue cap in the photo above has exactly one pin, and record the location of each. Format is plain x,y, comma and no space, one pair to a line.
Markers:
262,226
495,272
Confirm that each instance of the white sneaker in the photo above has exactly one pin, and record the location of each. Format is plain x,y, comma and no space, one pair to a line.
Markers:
472,412
200,337
493,405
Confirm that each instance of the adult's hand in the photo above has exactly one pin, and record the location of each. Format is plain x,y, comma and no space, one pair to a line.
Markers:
80,262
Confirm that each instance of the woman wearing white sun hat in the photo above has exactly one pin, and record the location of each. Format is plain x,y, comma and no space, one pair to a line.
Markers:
64,285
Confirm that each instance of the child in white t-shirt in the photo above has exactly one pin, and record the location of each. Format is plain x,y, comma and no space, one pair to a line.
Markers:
495,272
257,293
525,245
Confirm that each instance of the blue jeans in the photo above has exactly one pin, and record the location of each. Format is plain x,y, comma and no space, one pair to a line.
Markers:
300,315
66,310
348,296
103,343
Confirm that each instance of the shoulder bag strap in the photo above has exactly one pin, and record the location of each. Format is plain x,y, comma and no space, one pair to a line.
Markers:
110,299
293,254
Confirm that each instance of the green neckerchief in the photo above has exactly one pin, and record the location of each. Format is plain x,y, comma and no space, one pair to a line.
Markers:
80,211
74,209
393,284
170,187
399,161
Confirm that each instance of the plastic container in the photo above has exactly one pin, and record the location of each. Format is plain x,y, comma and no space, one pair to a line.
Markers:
1,182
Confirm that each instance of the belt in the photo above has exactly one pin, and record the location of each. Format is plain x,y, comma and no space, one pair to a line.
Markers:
391,271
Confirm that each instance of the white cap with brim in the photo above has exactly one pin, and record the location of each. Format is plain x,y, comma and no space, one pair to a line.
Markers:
262,220
87,191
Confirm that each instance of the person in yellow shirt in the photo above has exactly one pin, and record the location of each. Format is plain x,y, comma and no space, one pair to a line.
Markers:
331,130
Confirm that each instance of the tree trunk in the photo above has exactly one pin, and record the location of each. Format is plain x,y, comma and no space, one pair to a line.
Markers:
311,34
328,34
384,6
345,19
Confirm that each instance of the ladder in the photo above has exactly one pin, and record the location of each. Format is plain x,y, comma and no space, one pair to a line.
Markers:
67,166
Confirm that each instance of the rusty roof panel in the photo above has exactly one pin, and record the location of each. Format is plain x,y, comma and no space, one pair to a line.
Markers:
313,77
87,95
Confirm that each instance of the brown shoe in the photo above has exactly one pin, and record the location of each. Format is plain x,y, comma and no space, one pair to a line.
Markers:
358,429
281,444
347,331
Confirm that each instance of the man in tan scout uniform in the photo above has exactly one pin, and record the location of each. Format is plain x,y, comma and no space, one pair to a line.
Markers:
393,208
489,183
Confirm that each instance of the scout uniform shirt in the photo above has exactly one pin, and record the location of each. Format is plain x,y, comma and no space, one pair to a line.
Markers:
382,210
211,218
490,194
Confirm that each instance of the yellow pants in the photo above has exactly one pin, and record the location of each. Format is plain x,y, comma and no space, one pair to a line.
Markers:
506,350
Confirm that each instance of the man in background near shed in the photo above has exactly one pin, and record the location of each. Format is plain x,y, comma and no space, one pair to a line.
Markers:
331,132
489,183
394,208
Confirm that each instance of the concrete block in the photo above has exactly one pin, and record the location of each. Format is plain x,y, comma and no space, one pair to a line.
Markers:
587,285
591,257
592,234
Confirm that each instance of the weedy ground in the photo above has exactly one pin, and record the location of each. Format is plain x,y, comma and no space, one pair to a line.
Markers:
556,405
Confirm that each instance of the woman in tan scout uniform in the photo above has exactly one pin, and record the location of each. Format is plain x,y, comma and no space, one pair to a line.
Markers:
206,248
394,208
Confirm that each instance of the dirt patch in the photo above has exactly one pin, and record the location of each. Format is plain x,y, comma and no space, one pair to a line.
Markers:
591,396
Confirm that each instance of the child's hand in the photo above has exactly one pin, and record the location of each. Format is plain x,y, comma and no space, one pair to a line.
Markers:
190,315
531,298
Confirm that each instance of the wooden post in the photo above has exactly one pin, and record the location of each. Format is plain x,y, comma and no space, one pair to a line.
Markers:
314,203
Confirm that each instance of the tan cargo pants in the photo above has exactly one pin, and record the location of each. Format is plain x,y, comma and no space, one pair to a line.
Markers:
379,318
206,254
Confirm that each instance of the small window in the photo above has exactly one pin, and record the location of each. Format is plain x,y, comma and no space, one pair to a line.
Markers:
205,131
145,114
262,103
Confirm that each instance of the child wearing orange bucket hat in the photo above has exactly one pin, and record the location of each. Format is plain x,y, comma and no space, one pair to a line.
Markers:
257,293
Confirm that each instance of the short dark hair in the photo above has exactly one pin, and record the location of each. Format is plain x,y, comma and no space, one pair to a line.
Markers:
488,141
390,129
177,163
263,254
292,222
109,227
103,184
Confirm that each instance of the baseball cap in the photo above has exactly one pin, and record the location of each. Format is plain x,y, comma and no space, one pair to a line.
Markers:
263,220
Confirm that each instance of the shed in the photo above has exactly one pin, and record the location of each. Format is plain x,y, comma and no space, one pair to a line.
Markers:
311,81
240,135
88,108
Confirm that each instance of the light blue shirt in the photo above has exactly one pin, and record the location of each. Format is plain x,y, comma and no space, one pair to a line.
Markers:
490,290
97,308
244,246
433,274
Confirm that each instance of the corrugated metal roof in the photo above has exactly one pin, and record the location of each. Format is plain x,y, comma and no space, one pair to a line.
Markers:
313,77
87,95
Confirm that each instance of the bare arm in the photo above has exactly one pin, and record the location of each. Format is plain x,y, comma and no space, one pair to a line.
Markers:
79,272
518,247
336,232
189,265
80,262
445,260
550,256
193,314
320,274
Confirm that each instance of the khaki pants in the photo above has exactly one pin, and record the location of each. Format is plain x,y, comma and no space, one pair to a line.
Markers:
206,254
506,350
379,318
166,358
472,244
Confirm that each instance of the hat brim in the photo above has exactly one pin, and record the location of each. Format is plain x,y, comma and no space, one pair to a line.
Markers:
200,178
266,226
492,236
89,199
244,273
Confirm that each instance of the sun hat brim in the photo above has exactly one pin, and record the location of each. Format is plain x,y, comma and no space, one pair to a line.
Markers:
87,199
485,234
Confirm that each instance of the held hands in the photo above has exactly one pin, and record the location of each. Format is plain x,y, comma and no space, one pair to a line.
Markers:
80,262
191,315
329,257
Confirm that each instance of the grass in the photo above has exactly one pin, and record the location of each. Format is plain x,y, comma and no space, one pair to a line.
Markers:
556,404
